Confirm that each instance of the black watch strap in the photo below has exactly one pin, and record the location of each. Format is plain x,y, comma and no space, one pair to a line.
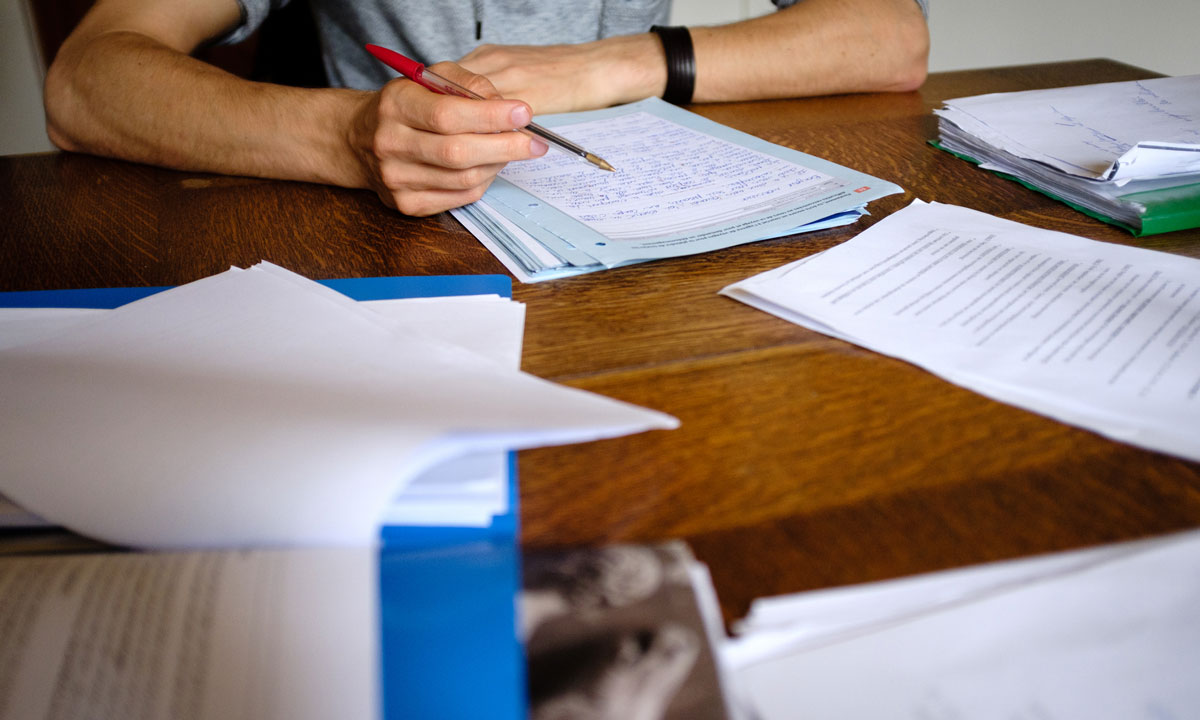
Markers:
681,63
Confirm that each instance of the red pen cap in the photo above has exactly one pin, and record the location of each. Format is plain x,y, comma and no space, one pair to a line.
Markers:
407,67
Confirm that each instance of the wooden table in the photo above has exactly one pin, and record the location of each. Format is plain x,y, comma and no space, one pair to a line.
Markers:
802,462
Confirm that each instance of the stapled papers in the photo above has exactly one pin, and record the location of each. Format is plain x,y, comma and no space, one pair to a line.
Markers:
683,185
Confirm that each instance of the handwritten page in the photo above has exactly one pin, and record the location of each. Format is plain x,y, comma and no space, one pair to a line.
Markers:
671,179
1093,131
1103,336
683,185
1117,636
274,635
256,408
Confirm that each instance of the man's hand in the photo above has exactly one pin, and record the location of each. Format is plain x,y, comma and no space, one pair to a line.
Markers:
423,152
814,47
565,78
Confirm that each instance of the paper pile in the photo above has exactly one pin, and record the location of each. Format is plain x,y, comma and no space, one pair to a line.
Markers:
257,408
683,185
1125,152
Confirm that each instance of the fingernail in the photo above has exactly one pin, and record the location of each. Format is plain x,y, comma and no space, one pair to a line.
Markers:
521,116
537,147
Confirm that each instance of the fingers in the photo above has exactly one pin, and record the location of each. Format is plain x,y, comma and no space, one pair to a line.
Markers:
412,105
429,202
476,82
424,153
419,190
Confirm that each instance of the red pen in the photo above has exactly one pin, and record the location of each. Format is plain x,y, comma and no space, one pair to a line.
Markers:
430,80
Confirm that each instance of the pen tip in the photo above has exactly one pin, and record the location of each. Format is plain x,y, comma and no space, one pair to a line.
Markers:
600,162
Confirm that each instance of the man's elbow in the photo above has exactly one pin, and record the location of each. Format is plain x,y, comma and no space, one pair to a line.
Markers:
910,63
60,104
911,76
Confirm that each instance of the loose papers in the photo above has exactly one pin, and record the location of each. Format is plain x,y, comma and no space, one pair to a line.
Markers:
1102,336
1109,632
683,185
1128,152
257,408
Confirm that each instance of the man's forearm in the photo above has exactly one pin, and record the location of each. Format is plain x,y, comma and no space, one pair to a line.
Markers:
815,47
172,110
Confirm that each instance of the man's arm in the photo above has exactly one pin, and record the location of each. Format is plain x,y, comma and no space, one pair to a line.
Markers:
124,85
815,47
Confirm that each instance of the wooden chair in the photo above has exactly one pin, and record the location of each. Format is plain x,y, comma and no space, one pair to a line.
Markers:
284,50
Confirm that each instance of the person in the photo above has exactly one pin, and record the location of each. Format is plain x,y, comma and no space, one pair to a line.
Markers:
124,83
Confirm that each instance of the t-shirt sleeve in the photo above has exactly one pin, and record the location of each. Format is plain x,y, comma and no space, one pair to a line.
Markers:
253,14
923,4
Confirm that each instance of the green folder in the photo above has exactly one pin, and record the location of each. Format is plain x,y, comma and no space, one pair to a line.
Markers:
1166,209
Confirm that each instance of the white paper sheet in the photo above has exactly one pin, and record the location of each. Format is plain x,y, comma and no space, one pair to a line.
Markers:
786,624
21,326
273,635
1099,335
258,408
1118,638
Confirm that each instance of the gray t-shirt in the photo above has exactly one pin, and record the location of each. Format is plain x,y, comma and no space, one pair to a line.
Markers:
434,30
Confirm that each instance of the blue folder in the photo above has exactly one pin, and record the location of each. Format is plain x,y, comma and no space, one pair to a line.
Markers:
448,595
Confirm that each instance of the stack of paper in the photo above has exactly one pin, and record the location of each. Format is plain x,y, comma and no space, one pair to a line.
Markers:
1110,632
1099,335
258,408
683,185
1127,153
463,492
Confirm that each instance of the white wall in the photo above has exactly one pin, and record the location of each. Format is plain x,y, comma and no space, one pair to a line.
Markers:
1159,35
22,125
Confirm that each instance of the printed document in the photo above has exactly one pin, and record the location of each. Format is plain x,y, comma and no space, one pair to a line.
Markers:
1099,335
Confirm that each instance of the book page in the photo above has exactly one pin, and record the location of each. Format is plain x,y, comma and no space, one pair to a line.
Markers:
287,635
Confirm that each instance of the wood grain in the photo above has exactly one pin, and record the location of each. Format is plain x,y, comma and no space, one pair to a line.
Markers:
802,461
